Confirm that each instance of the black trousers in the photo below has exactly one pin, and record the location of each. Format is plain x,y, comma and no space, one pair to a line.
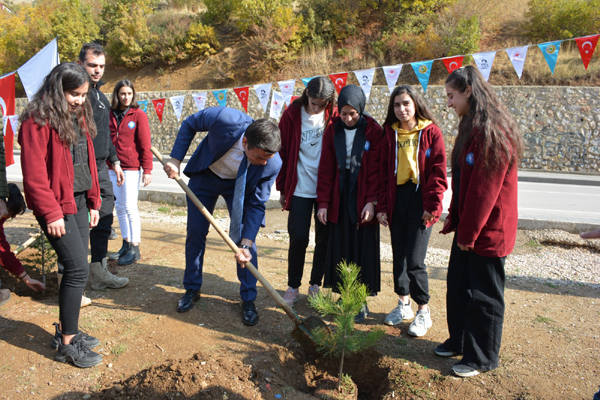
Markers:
100,233
475,307
71,250
410,239
301,212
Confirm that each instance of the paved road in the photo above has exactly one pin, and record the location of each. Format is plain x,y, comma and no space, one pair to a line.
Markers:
552,200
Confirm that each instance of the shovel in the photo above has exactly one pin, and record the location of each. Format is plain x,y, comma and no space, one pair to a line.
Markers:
304,327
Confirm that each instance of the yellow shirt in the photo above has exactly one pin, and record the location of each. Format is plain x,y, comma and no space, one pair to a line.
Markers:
407,146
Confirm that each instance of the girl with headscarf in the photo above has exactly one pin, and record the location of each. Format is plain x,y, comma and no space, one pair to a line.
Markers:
347,189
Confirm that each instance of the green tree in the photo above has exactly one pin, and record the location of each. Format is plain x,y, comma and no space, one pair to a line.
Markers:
563,19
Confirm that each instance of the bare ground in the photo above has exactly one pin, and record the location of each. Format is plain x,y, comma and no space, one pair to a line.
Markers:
550,344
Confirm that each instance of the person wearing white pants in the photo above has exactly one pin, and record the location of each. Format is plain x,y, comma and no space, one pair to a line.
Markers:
130,133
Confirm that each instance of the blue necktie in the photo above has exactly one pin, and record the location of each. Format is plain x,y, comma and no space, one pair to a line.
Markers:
237,206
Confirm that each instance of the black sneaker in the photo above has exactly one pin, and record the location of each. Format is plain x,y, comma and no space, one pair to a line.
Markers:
444,350
88,340
77,353
362,314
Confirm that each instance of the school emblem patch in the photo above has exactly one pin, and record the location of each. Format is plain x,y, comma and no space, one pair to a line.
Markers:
131,124
470,159
428,153
367,145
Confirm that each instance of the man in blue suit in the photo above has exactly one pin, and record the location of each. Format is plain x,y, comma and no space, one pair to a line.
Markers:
235,149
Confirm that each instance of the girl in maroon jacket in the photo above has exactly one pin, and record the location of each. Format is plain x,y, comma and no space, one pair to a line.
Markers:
302,126
130,133
347,188
483,214
413,182
60,180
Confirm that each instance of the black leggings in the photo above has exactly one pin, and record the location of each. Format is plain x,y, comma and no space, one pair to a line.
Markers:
71,250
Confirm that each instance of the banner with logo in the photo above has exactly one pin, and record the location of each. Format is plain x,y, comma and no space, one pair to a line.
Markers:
339,80
159,107
277,102
453,63
392,73
221,96
517,57
177,103
7,104
242,94
263,91
287,89
484,62
365,80
200,100
143,105
423,70
587,46
550,51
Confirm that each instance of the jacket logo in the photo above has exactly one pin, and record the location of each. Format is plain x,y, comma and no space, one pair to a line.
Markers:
470,159
428,153
131,124
367,145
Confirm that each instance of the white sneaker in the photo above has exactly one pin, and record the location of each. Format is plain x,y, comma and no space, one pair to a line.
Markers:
421,323
291,296
314,290
402,311
464,371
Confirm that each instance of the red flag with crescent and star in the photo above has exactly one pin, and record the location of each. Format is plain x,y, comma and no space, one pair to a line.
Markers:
587,45
339,80
453,63
159,107
242,94
7,103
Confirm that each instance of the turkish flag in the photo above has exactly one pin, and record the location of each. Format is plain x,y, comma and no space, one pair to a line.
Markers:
587,45
7,102
339,80
159,107
453,63
242,94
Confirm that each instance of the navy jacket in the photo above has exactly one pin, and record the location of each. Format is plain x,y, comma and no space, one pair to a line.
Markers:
224,127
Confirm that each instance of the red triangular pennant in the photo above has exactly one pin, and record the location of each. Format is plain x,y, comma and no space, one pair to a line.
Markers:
339,80
159,107
7,103
587,45
242,94
453,63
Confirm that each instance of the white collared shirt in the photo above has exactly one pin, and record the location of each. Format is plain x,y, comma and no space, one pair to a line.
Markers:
227,166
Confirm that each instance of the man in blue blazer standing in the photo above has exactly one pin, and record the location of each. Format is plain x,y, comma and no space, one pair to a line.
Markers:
235,149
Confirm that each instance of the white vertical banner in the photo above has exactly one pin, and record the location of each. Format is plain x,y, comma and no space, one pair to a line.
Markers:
517,57
287,89
484,62
263,91
33,72
177,103
392,73
365,80
277,102
200,100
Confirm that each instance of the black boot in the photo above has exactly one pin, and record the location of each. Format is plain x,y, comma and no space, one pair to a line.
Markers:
132,255
122,251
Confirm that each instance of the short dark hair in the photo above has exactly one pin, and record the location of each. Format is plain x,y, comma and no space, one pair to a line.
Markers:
96,49
116,102
263,134
15,202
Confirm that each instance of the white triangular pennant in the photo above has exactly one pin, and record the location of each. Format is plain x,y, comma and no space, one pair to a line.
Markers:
4,122
277,101
365,80
200,100
263,91
177,103
484,62
287,89
517,57
14,122
392,73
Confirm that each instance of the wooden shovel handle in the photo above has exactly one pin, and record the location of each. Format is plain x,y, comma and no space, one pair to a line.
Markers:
278,299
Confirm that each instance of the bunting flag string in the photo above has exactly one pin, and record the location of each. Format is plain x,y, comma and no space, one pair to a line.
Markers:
550,51
517,57
365,80
221,96
587,46
263,91
159,107
200,100
242,94
423,71
143,105
484,62
339,80
177,103
287,90
453,63
392,73
277,102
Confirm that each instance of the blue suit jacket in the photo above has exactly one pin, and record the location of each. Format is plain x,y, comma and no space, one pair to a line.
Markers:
225,126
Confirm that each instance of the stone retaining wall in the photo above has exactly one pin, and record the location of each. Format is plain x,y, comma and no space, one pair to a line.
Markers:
560,125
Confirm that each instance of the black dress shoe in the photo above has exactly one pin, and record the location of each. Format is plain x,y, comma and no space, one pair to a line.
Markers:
186,303
250,316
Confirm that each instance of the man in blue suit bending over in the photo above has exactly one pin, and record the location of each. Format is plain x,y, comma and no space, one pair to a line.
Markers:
238,160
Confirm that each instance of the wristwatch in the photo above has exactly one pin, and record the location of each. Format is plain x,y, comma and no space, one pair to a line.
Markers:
244,246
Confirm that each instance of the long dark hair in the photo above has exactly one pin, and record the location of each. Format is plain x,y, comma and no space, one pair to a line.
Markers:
322,88
116,102
497,132
421,109
49,105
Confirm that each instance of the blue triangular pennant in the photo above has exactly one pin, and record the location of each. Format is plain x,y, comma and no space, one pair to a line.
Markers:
221,96
423,70
306,80
143,105
550,52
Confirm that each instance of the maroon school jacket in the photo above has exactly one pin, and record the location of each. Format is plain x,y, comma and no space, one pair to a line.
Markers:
487,208
328,180
132,140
